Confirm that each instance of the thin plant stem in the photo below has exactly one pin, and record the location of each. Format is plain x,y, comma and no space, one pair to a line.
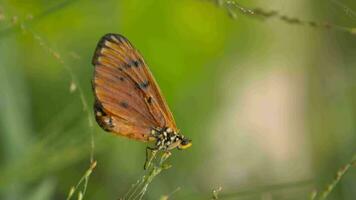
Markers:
16,27
75,82
156,164
167,196
331,186
132,189
84,178
233,8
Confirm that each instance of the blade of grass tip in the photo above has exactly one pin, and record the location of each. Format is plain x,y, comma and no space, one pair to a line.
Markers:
135,187
70,193
153,156
147,179
80,196
138,190
83,178
231,12
87,175
164,157
166,197
339,175
142,192
353,31
130,190
153,173
349,30
85,184
92,143
313,195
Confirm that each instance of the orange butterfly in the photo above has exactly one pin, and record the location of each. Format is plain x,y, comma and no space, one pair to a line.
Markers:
128,101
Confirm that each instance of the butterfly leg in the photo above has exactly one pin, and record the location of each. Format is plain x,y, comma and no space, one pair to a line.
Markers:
149,158
167,154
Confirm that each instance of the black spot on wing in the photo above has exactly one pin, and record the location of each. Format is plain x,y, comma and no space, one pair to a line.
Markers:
143,85
98,108
101,117
133,63
127,65
124,104
139,63
136,63
149,100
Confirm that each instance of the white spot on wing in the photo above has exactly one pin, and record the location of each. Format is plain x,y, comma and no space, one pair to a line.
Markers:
114,38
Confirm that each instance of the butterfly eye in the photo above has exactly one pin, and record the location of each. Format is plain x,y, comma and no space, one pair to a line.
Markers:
184,144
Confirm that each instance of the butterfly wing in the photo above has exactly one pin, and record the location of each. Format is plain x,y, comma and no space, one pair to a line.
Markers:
128,100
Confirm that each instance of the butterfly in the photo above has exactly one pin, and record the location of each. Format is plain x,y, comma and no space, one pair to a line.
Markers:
128,101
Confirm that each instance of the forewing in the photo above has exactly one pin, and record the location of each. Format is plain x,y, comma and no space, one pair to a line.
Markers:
125,90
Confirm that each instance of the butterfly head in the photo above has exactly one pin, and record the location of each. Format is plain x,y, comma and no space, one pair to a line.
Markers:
167,139
184,143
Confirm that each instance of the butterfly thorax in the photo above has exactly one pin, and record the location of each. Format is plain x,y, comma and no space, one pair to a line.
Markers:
167,139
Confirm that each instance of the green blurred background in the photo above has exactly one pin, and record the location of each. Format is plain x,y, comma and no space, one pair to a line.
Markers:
264,102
